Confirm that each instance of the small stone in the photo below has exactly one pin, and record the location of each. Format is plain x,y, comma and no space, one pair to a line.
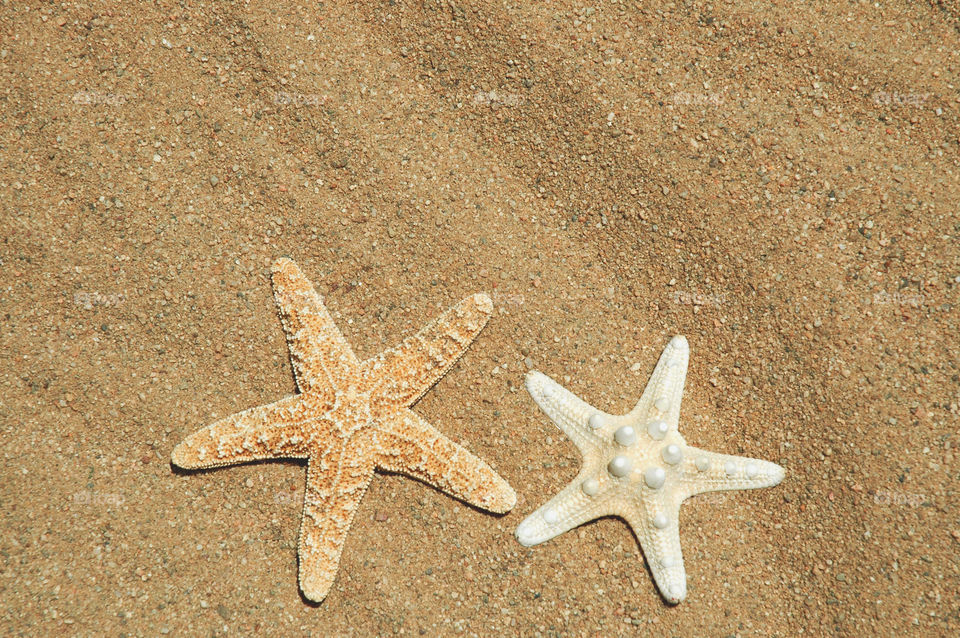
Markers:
214,180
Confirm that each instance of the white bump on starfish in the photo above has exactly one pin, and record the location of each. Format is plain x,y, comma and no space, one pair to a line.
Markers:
625,435
590,487
672,454
620,465
671,470
657,430
351,418
654,477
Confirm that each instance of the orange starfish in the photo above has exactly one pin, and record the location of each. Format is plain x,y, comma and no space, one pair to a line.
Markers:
351,418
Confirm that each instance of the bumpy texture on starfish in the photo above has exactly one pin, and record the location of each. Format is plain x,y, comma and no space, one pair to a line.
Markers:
350,418
638,467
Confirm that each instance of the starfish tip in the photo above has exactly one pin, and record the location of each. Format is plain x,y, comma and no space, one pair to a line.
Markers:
510,499
525,536
179,457
315,589
498,498
484,302
532,379
503,502
676,595
506,498
777,474
679,342
280,264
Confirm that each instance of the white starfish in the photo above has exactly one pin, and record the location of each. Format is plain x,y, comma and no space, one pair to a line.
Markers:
638,467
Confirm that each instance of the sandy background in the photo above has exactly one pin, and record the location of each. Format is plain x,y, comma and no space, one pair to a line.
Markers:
776,181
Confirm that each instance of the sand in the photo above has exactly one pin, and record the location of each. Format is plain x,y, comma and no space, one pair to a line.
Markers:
778,183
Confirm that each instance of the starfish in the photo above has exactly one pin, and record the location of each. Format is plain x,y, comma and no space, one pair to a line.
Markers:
638,467
350,418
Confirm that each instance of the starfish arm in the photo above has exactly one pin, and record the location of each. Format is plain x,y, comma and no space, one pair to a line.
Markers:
570,413
266,431
410,445
704,471
336,482
319,353
662,396
570,508
402,375
661,545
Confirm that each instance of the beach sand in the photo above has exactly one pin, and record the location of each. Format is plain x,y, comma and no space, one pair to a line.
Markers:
777,182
